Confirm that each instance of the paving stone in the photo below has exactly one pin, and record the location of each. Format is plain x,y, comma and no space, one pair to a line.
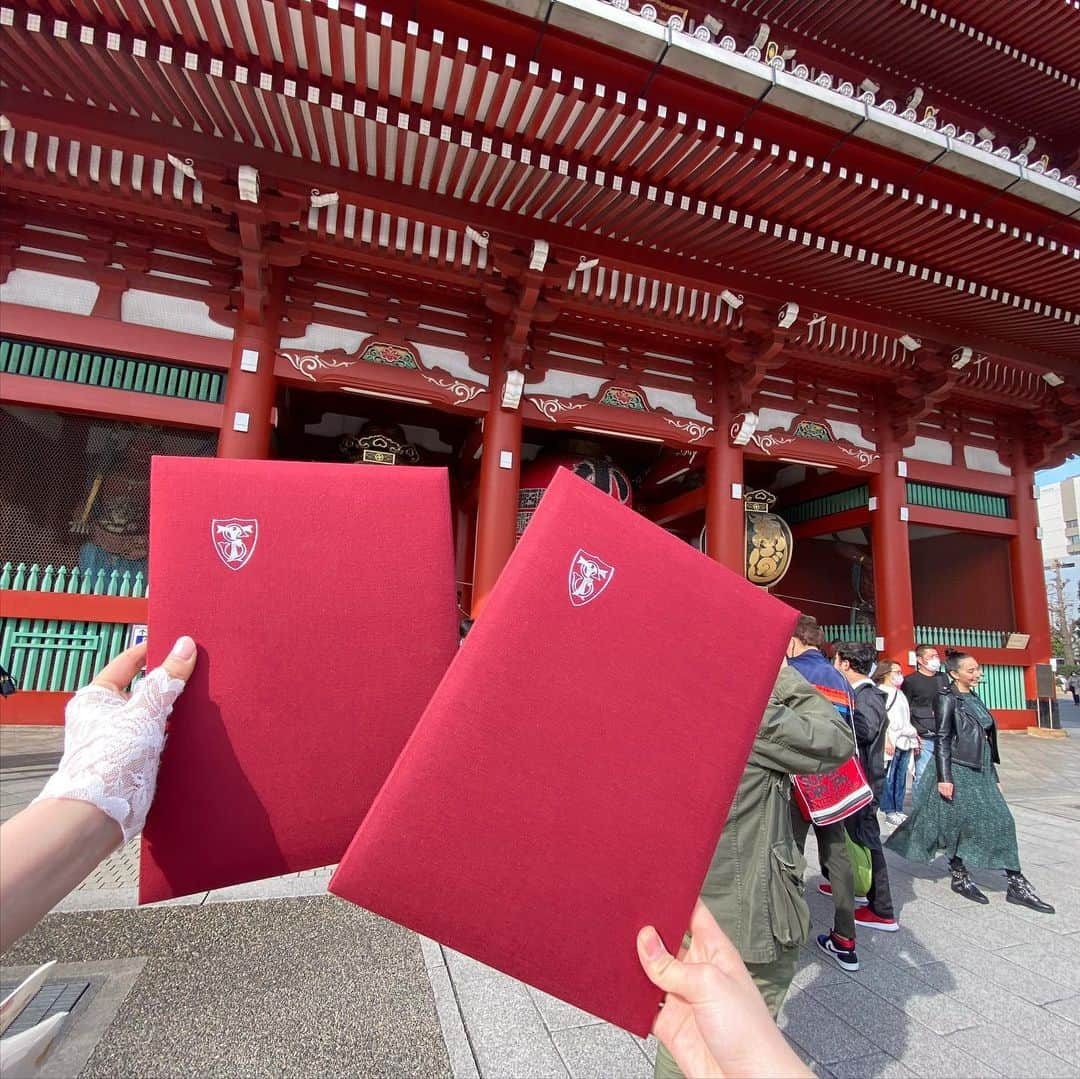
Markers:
648,1046
998,1006
1012,1055
462,1061
994,967
1069,1008
601,1051
813,1027
874,1066
508,1037
557,1014
1059,961
432,952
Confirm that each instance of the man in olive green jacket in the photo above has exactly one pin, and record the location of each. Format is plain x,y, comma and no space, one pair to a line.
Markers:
754,885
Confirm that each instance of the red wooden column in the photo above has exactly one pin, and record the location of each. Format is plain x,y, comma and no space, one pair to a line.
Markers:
500,472
895,613
250,388
1028,579
725,518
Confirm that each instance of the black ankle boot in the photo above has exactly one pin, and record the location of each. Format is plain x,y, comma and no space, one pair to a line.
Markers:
963,885
1022,893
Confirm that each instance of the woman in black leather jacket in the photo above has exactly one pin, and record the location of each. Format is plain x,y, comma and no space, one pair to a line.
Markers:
964,815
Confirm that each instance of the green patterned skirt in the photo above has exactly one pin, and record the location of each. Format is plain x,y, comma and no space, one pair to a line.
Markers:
976,825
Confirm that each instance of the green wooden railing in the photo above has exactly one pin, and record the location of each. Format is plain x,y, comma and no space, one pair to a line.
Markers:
957,499
961,638
40,360
1002,687
826,505
865,634
50,654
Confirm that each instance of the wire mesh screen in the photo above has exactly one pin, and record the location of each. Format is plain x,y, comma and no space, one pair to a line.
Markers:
76,489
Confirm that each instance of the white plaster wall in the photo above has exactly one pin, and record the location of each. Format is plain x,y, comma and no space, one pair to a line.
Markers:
681,404
934,450
176,313
319,337
985,460
451,360
50,291
564,384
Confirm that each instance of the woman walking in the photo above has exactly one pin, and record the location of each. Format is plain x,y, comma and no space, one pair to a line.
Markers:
964,815
901,741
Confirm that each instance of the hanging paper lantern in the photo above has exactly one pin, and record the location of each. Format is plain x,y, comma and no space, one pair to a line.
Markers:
769,542
537,476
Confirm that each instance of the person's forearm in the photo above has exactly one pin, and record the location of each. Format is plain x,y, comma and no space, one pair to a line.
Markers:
45,851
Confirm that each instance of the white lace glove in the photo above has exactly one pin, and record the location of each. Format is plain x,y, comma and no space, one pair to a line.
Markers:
112,743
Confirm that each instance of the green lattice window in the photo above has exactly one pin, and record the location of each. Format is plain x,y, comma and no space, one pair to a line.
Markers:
957,499
826,505
39,360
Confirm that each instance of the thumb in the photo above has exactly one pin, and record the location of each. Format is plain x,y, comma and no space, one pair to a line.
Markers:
662,968
180,662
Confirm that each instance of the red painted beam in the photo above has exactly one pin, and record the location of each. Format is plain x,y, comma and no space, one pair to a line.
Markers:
676,508
116,404
961,522
969,479
835,522
33,708
64,606
108,335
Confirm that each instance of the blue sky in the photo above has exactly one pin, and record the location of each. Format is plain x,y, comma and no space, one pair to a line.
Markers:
1063,472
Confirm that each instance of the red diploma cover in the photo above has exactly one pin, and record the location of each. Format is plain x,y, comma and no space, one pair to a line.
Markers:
569,780
321,597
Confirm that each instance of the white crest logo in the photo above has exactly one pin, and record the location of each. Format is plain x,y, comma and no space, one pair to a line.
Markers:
589,576
234,540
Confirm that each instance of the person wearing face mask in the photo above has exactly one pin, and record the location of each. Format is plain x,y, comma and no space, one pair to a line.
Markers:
964,814
922,688
900,741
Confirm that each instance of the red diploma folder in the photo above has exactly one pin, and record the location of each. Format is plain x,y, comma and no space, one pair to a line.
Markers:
322,600
569,780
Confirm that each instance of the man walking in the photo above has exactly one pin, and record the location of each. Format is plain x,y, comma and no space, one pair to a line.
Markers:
806,656
754,884
855,660
922,688
1074,687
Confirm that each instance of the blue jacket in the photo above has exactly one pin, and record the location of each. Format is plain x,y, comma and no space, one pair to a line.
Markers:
826,679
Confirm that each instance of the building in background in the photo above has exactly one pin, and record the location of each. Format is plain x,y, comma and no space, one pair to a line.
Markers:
1059,519
827,263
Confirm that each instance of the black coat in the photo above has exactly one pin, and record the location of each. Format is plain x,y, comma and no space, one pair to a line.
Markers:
959,736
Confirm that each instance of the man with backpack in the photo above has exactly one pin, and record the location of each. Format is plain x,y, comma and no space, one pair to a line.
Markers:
855,661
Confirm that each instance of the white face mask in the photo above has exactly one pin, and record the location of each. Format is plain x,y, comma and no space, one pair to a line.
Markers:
897,680
933,665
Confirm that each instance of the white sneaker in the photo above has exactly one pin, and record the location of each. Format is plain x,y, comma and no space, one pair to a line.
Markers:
895,818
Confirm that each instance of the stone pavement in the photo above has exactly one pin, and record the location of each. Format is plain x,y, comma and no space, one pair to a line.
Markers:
218,984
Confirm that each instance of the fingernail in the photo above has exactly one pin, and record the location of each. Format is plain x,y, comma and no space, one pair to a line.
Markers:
184,648
651,944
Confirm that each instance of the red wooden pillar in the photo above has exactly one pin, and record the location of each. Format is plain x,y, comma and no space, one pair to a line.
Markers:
895,613
725,517
1028,579
500,475
251,387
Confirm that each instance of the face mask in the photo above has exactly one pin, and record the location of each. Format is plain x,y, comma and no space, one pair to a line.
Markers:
897,680
933,665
